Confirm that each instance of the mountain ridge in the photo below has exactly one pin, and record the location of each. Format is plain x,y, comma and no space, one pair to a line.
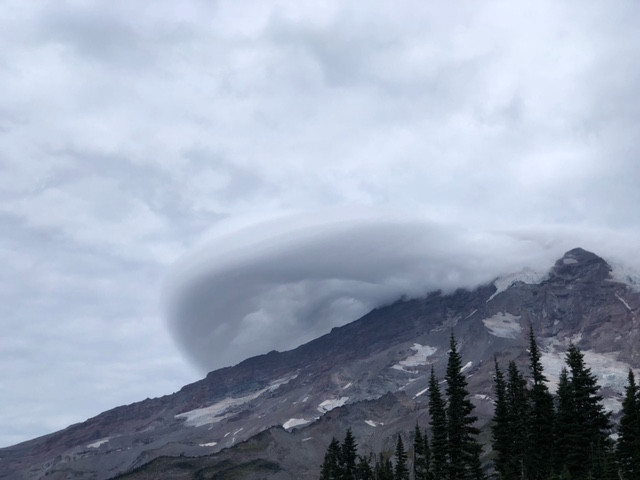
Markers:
387,350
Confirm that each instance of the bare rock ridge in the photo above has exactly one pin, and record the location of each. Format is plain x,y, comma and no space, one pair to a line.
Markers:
370,375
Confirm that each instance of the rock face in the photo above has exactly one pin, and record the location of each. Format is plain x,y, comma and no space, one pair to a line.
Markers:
272,416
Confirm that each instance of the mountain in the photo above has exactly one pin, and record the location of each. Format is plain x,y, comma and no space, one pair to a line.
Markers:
272,416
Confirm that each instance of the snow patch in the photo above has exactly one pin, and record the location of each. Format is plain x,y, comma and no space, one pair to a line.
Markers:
402,369
569,261
98,443
216,412
421,392
329,405
420,357
610,372
219,410
307,439
612,404
346,386
624,302
503,325
295,422
466,367
402,388
371,423
528,276
474,311
482,396
211,444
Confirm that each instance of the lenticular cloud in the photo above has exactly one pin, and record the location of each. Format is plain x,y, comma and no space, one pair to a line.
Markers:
278,284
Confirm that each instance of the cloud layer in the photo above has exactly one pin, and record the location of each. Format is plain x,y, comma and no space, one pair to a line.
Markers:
278,284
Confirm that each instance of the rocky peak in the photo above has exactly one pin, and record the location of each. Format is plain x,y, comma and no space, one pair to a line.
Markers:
580,265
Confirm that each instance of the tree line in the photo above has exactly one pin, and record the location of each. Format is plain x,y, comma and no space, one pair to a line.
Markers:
535,435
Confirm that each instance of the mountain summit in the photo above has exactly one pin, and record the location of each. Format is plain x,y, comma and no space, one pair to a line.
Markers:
370,375
579,264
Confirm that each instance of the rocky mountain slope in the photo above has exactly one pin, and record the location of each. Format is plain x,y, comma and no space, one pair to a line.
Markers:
371,374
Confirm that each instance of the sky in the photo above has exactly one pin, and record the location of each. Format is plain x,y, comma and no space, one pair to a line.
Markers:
239,176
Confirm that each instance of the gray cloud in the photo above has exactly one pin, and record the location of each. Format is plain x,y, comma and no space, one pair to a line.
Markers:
281,283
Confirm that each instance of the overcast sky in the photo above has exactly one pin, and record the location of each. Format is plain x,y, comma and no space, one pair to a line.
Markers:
149,152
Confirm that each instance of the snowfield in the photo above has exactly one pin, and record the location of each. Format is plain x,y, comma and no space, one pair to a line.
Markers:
420,357
611,373
503,325
295,422
218,411
371,423
329,405
624,303
98,443
421,392
529,276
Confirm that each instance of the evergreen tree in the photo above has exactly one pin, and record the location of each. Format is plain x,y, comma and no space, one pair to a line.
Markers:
539,444
609,463
438,423
386,469
401,471
517,413
587,440
421,455
501,439
427,456
564,423
462,447
628,448
363,469
330,469
383,468
348,456
377,467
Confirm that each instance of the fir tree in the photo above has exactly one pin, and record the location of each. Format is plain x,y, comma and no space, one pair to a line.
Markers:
330,469
462,448
501,438
587,441
517,413
348,456
377,467
539,444
383,469
421,455
401,471
628,448
427,456
386,469
564,422
363,469
438,423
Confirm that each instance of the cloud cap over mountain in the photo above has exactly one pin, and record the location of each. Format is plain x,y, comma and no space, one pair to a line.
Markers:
278,284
